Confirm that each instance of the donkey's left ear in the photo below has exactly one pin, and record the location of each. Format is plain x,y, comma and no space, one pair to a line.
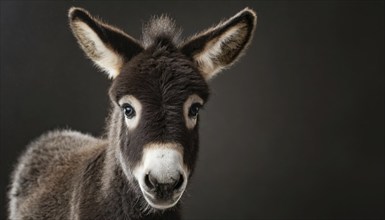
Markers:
104,44
220,46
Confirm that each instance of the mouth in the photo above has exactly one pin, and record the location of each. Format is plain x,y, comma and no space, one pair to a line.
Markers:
163,196
161,203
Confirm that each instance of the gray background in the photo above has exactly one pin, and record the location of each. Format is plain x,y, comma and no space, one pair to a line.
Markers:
295,130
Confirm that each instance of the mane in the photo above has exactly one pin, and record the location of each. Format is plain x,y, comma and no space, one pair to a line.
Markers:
160,27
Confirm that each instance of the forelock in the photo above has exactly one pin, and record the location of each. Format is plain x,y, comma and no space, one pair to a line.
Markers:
160,27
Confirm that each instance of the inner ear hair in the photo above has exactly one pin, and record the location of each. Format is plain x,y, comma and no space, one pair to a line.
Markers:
108,46
220,46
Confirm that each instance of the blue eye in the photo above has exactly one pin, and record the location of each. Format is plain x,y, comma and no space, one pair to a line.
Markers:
194,110
128,110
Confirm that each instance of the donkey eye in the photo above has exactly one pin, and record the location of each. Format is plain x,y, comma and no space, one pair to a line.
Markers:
128,110
194,110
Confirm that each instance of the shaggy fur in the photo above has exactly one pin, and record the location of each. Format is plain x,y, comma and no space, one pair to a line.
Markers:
69,175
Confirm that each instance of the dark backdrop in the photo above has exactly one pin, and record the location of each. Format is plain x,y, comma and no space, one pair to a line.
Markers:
295,130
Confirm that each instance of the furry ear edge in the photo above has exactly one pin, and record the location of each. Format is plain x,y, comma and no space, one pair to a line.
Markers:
219,47
107,46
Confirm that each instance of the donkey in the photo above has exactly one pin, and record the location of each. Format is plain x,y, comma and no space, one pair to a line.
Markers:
141,167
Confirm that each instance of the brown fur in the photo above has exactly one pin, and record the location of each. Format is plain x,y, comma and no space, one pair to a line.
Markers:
69,175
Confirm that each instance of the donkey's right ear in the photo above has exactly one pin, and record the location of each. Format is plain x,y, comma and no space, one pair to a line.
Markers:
108,47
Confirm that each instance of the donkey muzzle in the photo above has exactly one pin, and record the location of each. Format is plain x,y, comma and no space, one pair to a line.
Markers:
162,175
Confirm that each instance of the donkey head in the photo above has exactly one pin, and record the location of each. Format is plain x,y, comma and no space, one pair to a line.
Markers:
159,85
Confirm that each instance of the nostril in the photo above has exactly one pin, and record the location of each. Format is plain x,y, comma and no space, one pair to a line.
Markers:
179,182
150,181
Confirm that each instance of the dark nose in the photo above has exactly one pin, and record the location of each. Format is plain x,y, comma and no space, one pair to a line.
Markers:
163,187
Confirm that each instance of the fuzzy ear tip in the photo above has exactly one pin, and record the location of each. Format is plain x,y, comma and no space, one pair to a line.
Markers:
75,13
249,12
